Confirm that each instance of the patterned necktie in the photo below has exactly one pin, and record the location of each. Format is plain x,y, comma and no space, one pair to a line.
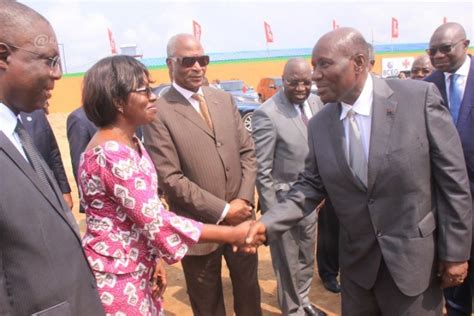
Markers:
454,97
33,156
204,109
303,115
357,159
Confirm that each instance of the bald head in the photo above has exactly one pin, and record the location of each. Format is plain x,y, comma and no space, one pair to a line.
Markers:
180,41
450,30
295,65
448,47
297,80
347,41
340,63
421,67
18,23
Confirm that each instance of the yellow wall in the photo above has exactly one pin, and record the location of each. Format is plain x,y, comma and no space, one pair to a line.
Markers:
67,93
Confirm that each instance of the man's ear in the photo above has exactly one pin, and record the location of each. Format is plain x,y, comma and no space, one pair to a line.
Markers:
360,62
5,52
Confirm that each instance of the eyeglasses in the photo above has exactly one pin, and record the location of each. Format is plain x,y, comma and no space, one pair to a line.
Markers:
145,90
191,60
296,83
443,49
54,62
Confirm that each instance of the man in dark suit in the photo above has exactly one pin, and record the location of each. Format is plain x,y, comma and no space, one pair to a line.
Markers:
43,269
206,168
40,130
280,135
79,132
389,157
454,77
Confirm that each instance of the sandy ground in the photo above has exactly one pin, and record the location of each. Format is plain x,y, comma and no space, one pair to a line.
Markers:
176,299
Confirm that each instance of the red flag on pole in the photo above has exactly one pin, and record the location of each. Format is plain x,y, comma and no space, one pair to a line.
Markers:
445,20
334,25
394,28
197,30
113,48
268,32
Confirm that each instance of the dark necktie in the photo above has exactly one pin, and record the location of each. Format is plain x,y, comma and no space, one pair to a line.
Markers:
204,109
33,156
303,115
357,159
454,97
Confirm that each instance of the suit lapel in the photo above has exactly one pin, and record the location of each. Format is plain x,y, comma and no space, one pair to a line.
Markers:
289,111
383,112
468,97
59,207
183,107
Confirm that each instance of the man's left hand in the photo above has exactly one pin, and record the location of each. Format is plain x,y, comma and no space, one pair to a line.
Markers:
452,273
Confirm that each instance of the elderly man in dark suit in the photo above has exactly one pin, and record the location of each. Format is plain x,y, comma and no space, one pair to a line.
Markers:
206,168
454,77
43,269
280,135
43,137
390,159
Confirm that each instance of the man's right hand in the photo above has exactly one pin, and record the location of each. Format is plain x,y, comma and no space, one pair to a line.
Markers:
239,211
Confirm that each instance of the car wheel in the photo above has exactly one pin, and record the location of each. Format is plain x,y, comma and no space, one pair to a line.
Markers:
247,119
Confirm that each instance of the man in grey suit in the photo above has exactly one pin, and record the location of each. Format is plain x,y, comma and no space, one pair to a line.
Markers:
43,269
205,162
279,130
390,159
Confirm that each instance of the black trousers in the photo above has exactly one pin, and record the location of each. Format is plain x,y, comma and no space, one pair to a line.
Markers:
327,250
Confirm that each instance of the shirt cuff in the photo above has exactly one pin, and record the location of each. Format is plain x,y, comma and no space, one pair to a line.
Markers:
224,213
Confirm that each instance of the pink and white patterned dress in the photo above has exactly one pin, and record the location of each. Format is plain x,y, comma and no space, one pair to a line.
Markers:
128,229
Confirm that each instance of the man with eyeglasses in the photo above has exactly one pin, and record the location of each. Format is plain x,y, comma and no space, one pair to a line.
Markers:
280,134
43,269
421,67
205,162
454,77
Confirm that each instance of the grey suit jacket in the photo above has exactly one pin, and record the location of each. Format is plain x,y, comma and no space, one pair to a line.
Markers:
416,208
281,145
199,171
42,265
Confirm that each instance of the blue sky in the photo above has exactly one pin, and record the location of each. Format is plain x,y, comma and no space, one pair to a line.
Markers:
230,26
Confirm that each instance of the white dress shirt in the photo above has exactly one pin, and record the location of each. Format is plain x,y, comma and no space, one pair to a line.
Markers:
362,108
8,122
463,71
187,94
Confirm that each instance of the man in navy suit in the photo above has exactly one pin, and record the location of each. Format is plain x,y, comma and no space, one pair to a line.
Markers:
454,77
40,130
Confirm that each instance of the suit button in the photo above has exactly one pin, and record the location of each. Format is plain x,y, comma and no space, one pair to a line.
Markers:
371,201
379,234
227,169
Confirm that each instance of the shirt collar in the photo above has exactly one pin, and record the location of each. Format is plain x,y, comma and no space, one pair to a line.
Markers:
185,92
8,120
463,71
363,104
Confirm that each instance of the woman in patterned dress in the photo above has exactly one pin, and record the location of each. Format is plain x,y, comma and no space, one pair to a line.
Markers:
128,230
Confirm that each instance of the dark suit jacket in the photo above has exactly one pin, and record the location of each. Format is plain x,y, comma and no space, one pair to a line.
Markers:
42,264
399,217
200,172
79,132
43,137
465,124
